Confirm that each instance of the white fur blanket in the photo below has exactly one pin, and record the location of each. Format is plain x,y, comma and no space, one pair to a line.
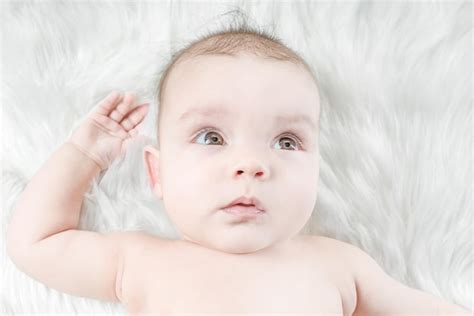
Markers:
396,125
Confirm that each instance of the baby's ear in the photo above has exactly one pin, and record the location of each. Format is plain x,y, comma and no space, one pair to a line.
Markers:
151,158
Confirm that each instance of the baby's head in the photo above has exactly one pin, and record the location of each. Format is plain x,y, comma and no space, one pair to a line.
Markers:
239,116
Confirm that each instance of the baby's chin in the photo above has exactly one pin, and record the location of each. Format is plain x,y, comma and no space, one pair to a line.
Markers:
238,246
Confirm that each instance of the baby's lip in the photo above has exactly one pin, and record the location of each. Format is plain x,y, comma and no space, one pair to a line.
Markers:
246,201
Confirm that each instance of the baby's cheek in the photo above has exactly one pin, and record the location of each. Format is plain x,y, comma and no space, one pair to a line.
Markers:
303,189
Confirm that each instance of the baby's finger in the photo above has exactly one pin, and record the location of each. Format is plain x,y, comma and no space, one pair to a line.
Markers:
135,117
123,107
109,126
109,102
134,131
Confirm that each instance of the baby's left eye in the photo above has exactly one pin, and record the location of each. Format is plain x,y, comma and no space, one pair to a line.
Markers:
289,142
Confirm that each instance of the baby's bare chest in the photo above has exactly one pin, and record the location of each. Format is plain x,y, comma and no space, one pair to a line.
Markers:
190,284
237,290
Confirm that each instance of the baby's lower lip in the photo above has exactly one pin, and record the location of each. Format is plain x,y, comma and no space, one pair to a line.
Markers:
242,211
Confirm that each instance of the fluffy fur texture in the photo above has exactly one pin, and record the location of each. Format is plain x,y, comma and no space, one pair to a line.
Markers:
396,125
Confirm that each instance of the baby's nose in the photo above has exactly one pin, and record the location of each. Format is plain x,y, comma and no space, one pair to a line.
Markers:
251,168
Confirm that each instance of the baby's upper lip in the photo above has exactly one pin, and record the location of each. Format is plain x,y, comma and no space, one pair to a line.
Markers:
246,201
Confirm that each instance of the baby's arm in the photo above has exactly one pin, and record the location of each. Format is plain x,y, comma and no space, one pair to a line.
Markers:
380,294
43,240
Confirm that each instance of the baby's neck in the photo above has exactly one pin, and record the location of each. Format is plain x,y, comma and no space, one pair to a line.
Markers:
278,249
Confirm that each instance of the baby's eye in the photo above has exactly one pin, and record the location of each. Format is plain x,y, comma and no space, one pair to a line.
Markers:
213,138
288,142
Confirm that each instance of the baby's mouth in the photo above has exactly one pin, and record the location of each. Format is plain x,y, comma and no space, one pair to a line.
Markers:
245,208
245,212
246,202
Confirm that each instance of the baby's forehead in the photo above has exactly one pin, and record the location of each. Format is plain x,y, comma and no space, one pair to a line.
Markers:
208,67
273,82
224,114
245,85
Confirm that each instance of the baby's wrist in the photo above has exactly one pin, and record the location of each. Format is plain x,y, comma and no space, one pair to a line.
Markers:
89,154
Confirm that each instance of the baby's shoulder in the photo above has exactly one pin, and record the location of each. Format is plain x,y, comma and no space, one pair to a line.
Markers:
337,266
333,246
142,254
340,255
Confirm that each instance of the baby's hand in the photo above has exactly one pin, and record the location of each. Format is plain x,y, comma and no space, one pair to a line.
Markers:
109,127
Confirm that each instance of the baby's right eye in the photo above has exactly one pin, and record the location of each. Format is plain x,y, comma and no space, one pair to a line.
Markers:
209,139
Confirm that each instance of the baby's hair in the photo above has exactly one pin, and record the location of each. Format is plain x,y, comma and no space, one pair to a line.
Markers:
230,40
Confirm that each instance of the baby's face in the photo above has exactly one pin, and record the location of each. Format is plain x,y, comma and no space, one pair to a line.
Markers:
237,126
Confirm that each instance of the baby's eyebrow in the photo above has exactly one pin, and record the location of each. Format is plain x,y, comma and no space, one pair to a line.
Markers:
223,113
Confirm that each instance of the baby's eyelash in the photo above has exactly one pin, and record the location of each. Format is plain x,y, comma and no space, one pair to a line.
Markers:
298,139
202,130
206,129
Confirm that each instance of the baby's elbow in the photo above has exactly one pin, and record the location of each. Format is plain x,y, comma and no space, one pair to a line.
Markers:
15,251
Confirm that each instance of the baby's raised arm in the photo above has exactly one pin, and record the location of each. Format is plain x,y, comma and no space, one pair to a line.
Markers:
43,239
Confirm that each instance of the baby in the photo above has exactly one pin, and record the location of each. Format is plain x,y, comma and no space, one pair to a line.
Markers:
237,168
